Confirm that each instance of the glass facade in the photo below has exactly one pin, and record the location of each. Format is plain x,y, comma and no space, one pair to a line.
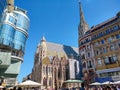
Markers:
2,6
14,29
7,35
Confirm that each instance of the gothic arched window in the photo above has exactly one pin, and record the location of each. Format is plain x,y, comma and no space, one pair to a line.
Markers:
50,82
75,67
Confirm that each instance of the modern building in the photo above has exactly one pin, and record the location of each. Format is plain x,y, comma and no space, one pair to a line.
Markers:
54,64
13,35
3,4
99,49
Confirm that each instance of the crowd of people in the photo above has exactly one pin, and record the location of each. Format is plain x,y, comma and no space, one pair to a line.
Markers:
95,87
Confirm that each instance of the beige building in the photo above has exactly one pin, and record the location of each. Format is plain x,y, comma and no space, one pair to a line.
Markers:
52,64
99,49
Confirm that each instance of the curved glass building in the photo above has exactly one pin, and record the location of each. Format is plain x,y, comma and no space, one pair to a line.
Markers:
14,29
14,25
3,4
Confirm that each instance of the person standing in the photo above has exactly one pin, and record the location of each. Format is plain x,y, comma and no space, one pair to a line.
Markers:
82,86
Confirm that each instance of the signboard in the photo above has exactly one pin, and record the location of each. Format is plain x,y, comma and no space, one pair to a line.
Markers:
10,81
116,78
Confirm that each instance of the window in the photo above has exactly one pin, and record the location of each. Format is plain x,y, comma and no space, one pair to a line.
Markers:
44,70
97,52
106,60
110,59
104,50
101,34
115,27
12,19
88,54
88,46
109,39
119,44
115,58
49,70
117,36
83,56
107,31
96,44
50,82
99,61
84,65
111,47
102,41
90,64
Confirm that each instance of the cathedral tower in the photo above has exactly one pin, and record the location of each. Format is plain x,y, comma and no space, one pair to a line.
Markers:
43,48
83,26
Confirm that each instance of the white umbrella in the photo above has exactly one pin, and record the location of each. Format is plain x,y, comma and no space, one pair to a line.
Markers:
29,83
1,87
107,82
95,83
117,82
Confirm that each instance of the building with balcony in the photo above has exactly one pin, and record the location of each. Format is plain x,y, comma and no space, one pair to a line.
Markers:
99,48
13,35
55,63
105,40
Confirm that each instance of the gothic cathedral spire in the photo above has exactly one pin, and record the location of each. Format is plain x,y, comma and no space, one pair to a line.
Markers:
83,26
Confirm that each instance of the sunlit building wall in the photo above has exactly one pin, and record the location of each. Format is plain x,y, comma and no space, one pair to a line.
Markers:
99,49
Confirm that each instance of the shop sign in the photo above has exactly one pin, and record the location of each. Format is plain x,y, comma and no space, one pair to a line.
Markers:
116,78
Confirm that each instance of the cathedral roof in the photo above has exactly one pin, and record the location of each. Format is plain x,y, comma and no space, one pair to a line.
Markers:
54,49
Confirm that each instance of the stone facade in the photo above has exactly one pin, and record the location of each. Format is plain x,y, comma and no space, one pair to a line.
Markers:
52,64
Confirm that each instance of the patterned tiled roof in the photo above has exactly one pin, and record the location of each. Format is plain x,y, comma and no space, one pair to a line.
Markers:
61,50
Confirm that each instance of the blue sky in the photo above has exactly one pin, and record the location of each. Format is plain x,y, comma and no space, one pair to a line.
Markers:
58,21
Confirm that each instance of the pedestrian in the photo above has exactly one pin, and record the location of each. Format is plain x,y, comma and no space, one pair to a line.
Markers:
82,86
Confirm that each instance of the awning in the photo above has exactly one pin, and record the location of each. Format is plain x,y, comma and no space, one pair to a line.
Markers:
73,81
104,79
108,70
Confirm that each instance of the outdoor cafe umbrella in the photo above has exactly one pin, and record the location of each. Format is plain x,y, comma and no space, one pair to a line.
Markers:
107,82
95,83
117,82
1,87
29,83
